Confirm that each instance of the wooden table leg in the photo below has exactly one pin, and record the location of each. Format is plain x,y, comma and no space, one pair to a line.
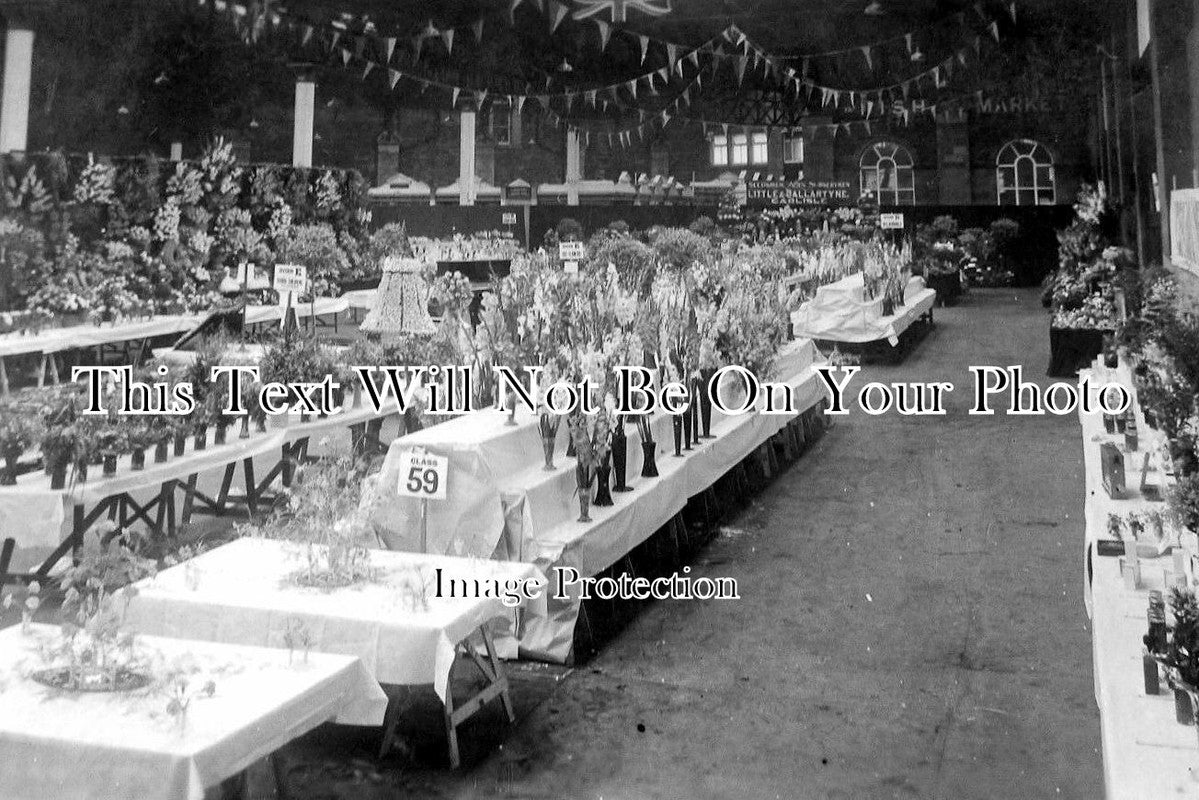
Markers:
189,491
391,718
3,378
6,550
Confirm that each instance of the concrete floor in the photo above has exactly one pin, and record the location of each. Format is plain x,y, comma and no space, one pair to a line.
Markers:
911,625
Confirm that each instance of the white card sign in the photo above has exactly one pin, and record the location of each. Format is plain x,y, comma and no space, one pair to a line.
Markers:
291,278
570,267
572,251
891,221
508,218
423,475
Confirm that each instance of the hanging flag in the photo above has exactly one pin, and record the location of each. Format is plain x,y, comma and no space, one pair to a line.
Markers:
520,103
978,45
367,70
480,98
907,38
644,40
906,88
605,33
687,96
632,88
558,13
570,101
512,12
869,108
389,48
346,55
591,95
869,57
994,29
962,57
478,29
447,37
693,56
393,77
672,54
306,37
739,64
454,97
1011,9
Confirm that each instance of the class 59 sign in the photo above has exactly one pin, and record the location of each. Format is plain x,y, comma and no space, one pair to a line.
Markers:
423,475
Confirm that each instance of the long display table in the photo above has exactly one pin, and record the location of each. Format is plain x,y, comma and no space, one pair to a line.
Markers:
839,313
502,501
397,624
107,745
1146,753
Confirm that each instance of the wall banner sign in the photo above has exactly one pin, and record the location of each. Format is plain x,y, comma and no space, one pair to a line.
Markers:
764,194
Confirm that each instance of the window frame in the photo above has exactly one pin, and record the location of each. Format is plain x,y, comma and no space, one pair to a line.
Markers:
720,150
502,110
1038,187
901,189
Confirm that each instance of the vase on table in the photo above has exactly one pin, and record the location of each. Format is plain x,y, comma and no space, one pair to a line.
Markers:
244,431
201,438
583,478
603,497
547,428
620,457
676,424
649,464
137,459
161,450
705,403
1184,709
180,443
219,434
110,464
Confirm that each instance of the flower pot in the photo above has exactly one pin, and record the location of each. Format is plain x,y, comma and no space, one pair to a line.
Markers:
649,467
603,497
138,459
180,443
110,463
200,442
1183,709
619,457
58,476
547,448
676,424
219,434
9,476
160,451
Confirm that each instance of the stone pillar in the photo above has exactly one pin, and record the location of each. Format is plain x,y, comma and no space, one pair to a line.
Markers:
387,156
18,69
305,115
466,157
953,160
574,166
1192,82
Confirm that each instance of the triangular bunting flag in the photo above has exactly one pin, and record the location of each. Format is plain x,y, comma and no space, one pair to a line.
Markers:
480,97
447,38
558,13
978,44
962,57
1011,10
389,47
346,55
869,107
591,95
570,101
869,58
478,29
512,12
632,88
907,38
739,64
520,102
644,40
672,54
306,37
367,70
393,77
605,33
994,29
693,56
454,97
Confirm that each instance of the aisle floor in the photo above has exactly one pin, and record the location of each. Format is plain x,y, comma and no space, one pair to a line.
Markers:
911,625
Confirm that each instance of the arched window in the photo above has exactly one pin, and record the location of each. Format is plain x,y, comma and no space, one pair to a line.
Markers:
1024,174
886,171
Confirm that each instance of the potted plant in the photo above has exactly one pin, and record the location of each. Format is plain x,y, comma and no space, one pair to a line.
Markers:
94,652
17,434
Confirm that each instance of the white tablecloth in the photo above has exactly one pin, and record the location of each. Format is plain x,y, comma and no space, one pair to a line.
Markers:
55,340
1146,753
126,746
515,509
839,313
403,632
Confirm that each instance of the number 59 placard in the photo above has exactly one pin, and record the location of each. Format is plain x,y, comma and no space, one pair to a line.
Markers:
423,475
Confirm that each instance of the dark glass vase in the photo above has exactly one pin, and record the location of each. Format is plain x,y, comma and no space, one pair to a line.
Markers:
570,446
180,443
58,476
603,497
9,476
219,434
676,424
161,450
620,456
705,403
649,464
200,442
138,459
110,463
